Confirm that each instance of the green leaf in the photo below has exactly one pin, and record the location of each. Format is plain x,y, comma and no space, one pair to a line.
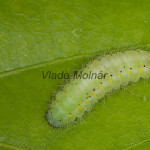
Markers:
58,35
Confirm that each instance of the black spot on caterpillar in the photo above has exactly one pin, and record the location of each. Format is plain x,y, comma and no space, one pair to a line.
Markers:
82,94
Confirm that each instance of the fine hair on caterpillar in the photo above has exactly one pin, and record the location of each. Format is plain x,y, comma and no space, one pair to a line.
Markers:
79,95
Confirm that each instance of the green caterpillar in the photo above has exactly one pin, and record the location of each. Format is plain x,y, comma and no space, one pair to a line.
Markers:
80,95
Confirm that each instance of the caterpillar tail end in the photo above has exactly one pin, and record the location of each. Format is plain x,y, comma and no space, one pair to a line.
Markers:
53,122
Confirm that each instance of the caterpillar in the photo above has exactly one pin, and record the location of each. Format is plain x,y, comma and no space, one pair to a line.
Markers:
80,95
